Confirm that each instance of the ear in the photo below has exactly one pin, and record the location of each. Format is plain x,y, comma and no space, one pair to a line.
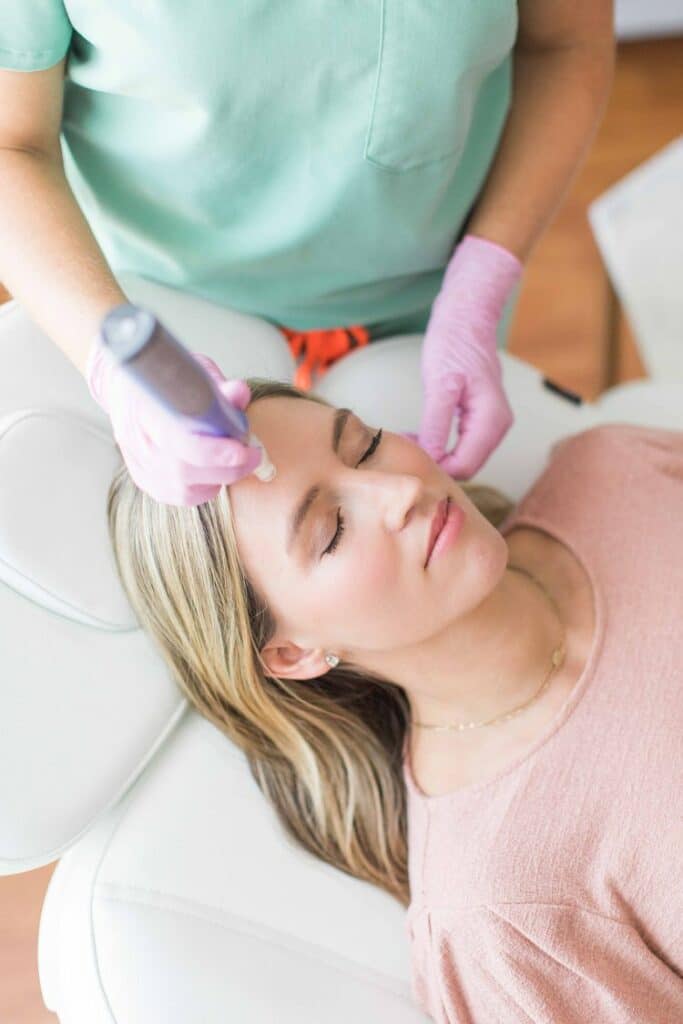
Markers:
288,661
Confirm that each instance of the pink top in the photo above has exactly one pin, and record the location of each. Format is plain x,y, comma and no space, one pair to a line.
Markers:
553,892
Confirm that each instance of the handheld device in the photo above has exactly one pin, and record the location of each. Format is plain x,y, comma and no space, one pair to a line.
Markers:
161,365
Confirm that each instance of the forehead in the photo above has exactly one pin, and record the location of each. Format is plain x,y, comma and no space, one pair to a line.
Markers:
297,435
293,427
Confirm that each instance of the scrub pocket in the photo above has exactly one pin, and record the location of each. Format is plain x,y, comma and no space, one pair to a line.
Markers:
433,58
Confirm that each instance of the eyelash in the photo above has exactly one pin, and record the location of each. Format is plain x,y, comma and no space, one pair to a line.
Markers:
340,518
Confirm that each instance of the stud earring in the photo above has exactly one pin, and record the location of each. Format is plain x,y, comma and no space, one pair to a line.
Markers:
332,660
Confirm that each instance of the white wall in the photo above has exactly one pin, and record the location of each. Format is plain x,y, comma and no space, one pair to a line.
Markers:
636,19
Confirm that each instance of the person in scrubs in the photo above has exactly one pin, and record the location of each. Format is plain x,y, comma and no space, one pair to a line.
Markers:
345,170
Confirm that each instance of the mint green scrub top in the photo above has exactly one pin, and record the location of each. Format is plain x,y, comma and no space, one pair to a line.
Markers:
311,163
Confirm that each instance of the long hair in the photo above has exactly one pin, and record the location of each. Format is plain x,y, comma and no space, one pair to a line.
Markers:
326,752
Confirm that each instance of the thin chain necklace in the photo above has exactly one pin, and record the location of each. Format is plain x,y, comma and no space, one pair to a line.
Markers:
556,660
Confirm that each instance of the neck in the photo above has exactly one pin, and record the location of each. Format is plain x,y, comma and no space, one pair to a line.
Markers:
485,664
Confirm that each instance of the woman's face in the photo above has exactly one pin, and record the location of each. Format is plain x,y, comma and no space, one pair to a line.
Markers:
367,588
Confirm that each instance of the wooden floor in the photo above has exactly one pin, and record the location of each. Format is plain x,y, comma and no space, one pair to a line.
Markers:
566,323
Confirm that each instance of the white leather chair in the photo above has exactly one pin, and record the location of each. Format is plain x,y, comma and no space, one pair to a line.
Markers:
178,899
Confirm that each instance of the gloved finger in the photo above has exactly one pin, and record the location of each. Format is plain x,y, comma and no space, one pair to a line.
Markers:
167,490
214,371
176,440
177,483
485,419
154,433
237,392
438,409
188,475
176,437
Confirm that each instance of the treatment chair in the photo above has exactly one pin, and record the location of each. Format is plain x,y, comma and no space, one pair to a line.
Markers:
178,899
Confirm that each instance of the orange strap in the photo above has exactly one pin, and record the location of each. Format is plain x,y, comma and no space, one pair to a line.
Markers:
320,349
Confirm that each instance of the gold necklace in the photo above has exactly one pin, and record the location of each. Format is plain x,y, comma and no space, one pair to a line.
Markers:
557,659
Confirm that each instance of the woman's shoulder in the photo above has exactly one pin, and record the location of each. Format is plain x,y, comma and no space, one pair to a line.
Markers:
622,439
588,474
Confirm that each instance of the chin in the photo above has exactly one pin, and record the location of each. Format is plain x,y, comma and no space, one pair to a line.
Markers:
491,554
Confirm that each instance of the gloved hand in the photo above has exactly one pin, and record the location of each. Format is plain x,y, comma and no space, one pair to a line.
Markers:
459,361
165,459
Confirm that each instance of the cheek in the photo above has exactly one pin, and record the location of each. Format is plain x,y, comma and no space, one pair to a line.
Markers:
363,591
379,572
357,588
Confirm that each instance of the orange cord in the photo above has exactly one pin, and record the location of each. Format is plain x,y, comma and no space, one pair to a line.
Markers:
321,348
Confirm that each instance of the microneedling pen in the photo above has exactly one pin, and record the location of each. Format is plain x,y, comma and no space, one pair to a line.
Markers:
147,351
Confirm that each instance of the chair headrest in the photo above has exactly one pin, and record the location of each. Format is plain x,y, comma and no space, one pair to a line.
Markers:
86,699
56,468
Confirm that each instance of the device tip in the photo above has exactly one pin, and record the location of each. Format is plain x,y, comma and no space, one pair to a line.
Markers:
265,470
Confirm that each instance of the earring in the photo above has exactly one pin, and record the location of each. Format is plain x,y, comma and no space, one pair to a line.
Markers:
332,660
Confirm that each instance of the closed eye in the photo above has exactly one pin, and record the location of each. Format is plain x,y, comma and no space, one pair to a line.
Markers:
375,441
340,518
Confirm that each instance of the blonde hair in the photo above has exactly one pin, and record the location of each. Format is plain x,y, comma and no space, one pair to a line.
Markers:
326,752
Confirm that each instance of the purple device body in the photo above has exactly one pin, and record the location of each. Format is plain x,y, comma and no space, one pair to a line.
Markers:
158,362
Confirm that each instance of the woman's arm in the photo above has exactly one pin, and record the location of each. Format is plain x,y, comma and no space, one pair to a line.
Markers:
563,69
50,260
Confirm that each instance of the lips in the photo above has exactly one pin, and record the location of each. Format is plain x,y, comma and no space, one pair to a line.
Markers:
440,516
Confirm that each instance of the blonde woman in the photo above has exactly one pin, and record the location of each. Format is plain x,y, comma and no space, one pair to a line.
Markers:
325,625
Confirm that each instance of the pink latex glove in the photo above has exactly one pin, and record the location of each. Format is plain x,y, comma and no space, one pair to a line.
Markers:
460,366
170,463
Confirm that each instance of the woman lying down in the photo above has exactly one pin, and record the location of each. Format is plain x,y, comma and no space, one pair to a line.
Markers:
477,708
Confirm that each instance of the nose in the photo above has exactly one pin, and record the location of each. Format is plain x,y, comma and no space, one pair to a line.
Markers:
394,495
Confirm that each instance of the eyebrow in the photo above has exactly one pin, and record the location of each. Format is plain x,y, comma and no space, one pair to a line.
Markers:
338,423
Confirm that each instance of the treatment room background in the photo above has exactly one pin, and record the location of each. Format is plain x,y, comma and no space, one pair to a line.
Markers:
571,322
